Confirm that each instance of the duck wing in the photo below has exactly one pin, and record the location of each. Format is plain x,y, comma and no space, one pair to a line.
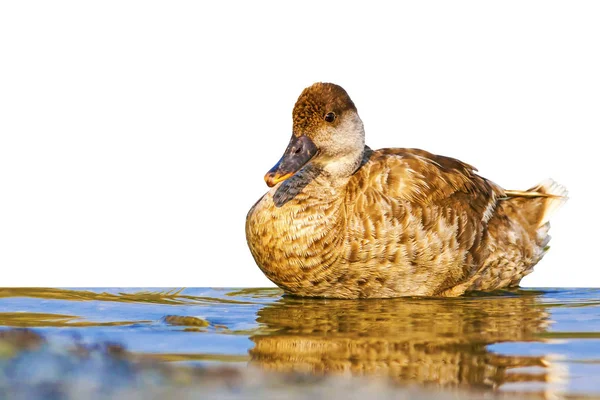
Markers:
427,180
435,206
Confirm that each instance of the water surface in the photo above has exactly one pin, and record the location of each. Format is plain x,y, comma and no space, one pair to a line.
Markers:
544,342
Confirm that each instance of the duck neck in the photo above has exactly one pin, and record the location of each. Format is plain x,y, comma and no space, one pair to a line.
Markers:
339,170
344,156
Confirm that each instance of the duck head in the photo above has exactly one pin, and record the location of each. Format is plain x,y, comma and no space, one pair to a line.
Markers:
327,133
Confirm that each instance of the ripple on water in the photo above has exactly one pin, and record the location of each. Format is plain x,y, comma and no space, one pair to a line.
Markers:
527,341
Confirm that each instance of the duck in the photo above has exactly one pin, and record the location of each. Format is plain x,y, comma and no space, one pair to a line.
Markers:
344,221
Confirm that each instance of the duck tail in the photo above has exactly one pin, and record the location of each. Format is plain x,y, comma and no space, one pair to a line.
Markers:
545,198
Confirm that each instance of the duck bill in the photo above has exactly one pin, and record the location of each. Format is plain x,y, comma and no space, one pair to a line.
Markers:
299,152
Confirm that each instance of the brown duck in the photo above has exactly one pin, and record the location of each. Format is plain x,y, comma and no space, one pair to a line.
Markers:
344,221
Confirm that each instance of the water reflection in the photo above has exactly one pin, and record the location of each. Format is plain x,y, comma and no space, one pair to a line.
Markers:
172,296
429,341
491,341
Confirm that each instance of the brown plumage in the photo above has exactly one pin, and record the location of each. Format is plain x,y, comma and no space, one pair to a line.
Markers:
399,338
344,221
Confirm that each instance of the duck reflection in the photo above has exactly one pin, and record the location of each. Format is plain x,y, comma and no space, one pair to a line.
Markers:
437,341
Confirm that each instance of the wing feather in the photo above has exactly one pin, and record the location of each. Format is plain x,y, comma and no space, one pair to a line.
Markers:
426,179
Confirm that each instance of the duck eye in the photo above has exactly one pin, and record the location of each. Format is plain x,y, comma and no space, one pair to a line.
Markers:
330,117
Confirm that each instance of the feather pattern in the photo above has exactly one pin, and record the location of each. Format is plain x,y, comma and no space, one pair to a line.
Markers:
404,223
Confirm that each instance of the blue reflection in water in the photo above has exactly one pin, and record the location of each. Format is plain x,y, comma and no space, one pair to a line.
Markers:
513,341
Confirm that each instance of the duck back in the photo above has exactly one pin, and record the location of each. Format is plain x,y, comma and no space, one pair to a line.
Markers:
406,223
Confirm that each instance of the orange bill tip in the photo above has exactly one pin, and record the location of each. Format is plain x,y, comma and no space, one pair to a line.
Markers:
273,179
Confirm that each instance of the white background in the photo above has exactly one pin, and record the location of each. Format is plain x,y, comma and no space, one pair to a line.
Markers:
134,135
